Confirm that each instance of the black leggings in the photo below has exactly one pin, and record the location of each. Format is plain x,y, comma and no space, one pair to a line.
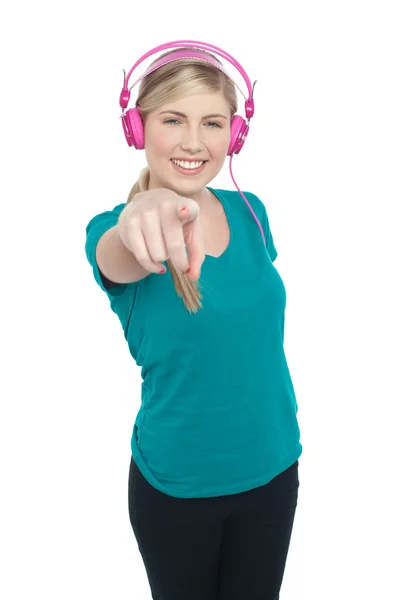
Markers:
224,548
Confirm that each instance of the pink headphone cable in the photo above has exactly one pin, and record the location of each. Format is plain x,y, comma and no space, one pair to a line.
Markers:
248,204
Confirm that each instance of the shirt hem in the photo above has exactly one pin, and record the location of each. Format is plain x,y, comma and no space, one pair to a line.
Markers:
229,490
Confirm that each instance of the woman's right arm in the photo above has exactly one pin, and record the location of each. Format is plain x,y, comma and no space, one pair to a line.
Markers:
115,261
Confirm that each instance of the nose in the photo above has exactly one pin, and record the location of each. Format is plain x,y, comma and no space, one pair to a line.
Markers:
192,140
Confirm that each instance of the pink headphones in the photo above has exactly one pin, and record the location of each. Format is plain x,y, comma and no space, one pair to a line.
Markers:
131,120
133,124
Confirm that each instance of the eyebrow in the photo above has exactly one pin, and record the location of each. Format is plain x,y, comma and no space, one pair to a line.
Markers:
180,114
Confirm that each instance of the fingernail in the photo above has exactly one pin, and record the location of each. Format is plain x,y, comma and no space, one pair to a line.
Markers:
185,272
163,271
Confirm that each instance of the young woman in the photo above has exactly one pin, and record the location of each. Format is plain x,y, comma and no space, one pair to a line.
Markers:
213,481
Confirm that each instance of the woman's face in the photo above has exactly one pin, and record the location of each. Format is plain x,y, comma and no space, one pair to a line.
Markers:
195,132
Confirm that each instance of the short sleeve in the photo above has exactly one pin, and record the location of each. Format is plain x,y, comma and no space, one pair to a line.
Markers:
122,296
95,229
268,235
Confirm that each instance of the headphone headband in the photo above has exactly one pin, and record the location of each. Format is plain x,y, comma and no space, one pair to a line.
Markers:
192,53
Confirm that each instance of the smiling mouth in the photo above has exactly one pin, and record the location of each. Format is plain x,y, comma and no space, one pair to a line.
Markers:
189,165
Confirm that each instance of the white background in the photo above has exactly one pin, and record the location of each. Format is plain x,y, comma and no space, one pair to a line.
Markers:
322,154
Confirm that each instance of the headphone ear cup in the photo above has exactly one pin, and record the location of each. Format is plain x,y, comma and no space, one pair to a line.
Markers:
238,133
133,128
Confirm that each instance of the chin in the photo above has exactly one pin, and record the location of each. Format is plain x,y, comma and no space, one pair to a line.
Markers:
183,186
187,190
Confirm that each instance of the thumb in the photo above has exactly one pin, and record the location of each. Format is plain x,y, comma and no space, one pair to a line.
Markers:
187,214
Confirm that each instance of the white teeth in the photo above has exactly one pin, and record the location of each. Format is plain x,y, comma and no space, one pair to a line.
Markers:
188,165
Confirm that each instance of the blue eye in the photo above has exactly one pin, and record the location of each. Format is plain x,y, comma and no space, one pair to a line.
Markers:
213,124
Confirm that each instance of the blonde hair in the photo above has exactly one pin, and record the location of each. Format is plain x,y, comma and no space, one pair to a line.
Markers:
177,79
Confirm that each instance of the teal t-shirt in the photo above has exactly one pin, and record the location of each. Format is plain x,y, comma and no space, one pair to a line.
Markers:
218,413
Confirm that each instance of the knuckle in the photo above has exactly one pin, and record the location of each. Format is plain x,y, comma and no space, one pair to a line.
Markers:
175,244
167,206
148,214
134,220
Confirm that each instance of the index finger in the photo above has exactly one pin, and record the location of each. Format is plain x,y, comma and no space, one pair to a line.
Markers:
195,249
